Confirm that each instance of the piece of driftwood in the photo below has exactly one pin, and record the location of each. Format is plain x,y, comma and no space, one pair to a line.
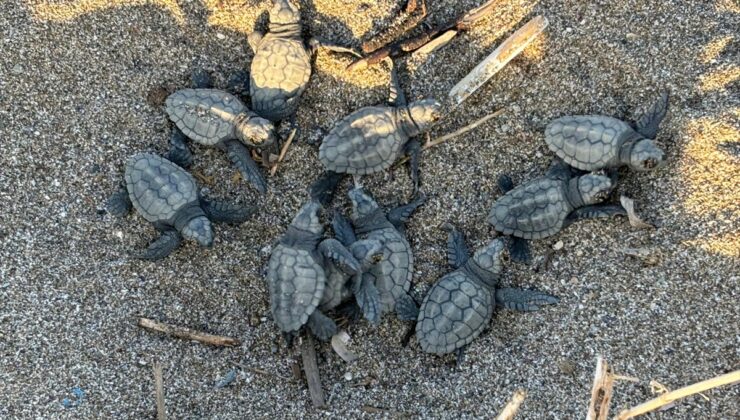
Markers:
311,369
511,408
339,343
601,392
436,43
501,56
159,391
670,397
187,333
406,21
283,151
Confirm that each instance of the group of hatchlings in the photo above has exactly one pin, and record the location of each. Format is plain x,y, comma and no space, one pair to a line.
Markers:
368,266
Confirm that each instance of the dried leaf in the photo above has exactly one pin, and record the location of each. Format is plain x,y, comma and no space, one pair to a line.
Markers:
339,344
648,256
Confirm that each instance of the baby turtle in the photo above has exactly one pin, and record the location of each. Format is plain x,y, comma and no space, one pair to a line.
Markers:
296,274
460,305
392,275
281,66
593,142
167,196
214,117
545,205
372,138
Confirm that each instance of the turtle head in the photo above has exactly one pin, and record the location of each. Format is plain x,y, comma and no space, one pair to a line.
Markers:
200,230
646,155
424,114
258,132
284,13
307,218
595,188
488,258
362,204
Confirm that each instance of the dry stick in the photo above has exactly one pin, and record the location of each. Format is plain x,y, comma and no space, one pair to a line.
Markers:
601,393
159,391
187,333
512,406
283,152
311,369
672,396
456,133
403,23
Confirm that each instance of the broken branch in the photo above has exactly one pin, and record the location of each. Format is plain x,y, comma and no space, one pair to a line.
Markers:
159,391
601,393
669,397
512,406
283,152
311,369
187,333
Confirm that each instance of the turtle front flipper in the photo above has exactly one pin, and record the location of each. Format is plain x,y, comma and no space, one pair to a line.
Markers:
367,296
594,212
400,215
340,255
201,79
523,300
343,229
457,251
519,250
254,39
413,150
238,82
239,155
558,169
504,183
406,308
221,211
322,326
324,188
179,153
162,247
119,203
649,122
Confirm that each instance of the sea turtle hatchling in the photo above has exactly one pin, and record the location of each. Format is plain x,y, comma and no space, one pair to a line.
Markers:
545,205
392,275
372,138
593,142
281,66
297,275
460,305
166,195
215,117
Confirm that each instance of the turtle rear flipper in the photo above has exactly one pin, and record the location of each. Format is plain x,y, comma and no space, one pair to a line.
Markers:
239,155
406,308
201,79
162,247
315,43
179,152
523,300
504,183
324,187
322,326
220,211
238,82
649,122
367,297
519,250
119,203
457,251
594,212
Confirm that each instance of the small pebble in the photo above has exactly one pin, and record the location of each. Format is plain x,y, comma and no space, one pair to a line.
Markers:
557,246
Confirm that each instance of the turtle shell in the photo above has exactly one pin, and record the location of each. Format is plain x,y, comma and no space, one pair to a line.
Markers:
296,283
392,275
366,141
279,74
454,312
157,187
588,142
206,116
533,210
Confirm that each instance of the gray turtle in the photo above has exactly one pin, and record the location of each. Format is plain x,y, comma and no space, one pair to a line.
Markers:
281,66
545,205
372,138
214,117
392,275
593,142
460,305
167,196
297,274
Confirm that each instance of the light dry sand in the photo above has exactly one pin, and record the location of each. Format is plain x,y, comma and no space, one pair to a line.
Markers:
78,95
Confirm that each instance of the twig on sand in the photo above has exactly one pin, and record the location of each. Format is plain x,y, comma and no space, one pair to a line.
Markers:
512,406
187,333
669,397
601,393
283,152
260,371
159,391
311,369
457,133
